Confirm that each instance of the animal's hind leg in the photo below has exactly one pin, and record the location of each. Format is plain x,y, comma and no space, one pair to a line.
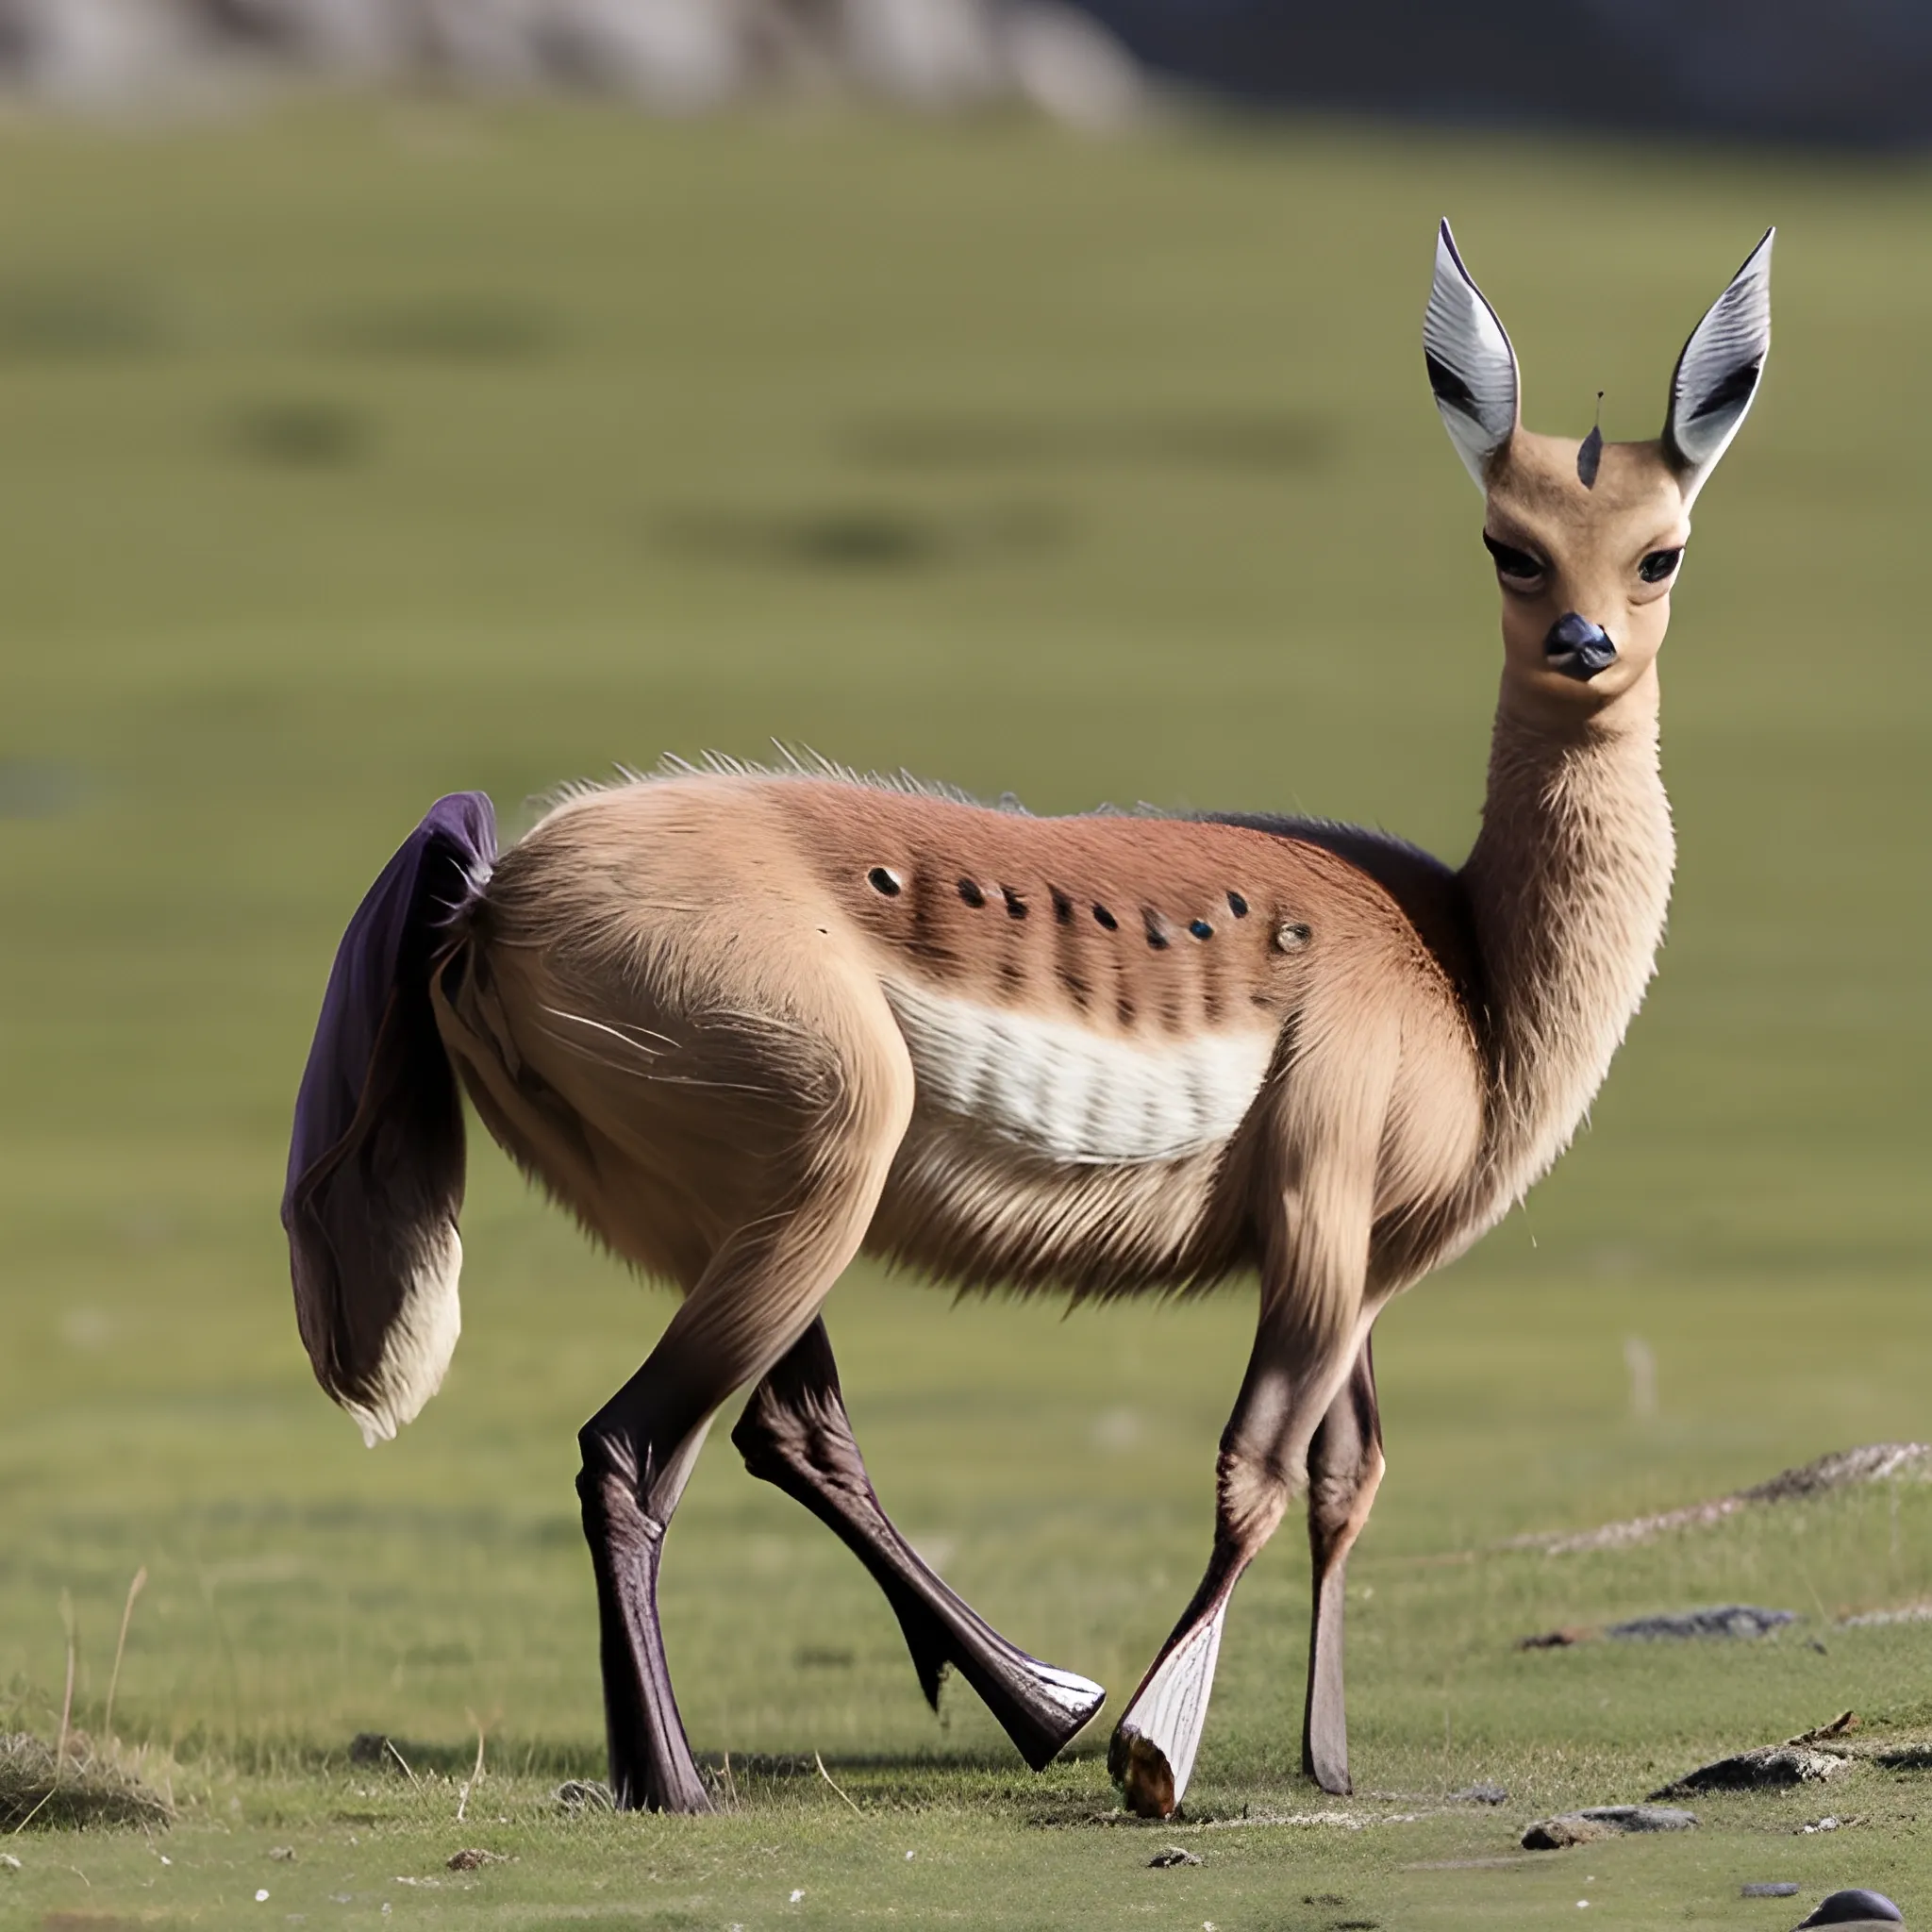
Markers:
1344,1470
761,1289
795,1433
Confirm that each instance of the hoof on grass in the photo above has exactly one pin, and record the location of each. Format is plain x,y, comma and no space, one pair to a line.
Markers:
1141,1771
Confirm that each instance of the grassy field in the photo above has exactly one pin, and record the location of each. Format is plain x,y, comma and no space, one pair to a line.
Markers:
350,457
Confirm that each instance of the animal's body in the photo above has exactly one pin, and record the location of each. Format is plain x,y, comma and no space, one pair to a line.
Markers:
744,1025
1079,1016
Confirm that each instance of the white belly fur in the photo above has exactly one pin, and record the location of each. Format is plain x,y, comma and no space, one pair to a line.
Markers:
1075,1096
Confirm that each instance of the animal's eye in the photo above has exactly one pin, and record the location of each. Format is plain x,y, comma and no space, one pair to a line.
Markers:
1659,565
1519,566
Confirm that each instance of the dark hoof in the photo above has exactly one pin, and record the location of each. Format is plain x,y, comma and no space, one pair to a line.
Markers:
1141,1768
1055,1725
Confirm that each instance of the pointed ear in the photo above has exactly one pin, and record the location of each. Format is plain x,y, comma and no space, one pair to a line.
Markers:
1471,366
1719,371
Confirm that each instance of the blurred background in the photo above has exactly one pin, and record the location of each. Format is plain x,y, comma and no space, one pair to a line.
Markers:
406,395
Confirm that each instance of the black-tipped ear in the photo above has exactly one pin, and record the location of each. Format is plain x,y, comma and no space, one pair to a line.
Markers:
1471,366
1719,371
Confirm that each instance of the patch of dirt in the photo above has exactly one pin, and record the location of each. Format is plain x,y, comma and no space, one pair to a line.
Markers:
1844,1469
1601,1821
1904,1613
49,1791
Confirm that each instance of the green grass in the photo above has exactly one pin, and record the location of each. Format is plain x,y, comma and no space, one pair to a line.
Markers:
350,457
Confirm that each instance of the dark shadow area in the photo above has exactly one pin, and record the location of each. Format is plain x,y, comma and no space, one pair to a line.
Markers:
303,433
863,539
53,321
1855,73
1282,441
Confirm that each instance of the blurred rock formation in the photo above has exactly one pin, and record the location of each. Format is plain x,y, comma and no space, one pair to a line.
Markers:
668,57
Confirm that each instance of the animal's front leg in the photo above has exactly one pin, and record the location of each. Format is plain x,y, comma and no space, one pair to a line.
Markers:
1316,1220
1344,1470
1292,1379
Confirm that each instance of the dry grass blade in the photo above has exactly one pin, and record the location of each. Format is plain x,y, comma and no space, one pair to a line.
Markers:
134,1589
827,1776
388,1744
67,1701
71,1787
475,1777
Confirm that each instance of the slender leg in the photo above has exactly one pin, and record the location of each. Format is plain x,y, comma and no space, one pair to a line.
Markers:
795,1433
758,1294
1290,1382
1344,1470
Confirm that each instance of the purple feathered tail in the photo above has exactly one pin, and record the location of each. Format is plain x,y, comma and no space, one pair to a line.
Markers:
375,1164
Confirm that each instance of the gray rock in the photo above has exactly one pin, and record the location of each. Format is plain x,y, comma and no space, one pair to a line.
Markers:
1768,1768
1727,1620
1479,1794
1601,1821
1782,1890
1173,1855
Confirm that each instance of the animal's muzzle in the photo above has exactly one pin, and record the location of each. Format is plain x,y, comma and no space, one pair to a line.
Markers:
1577,647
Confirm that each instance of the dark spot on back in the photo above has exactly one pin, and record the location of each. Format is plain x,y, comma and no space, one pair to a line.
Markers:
1200,928
926,942
1062,906
1237,905
881,880
1016,907
971,892
1102,917
1156,929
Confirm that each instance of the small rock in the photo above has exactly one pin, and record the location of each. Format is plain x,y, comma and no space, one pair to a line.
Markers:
1479,1794
1782,1890
472,1857
584,1794
1768,1768
1728,1620
1174,1855
1599,1821
1856,1906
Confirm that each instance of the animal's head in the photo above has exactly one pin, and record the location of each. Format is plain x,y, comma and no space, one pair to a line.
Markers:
1588,536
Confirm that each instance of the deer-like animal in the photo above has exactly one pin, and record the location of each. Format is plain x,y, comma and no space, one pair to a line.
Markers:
745,1024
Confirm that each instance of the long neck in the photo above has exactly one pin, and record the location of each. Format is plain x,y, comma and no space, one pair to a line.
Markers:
1568,884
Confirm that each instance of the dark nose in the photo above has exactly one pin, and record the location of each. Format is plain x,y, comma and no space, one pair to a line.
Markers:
1577,647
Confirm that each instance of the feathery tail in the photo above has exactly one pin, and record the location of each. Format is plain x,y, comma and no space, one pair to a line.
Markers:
375,1164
